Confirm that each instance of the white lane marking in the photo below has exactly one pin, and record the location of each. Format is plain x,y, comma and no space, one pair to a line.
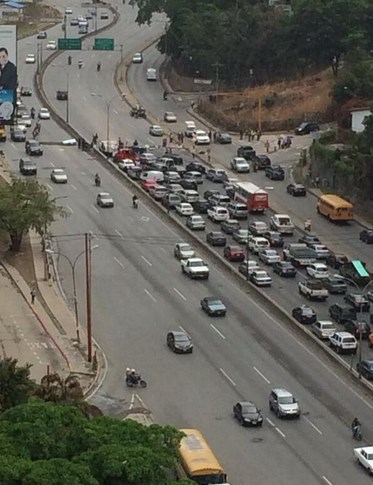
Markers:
52,164
182,329
227,377
262,375
132,403
217,331
49,187
115,111
280,432
119,262
69,208
13,145
141,401
151,141
73,186
313,425
180,294
119,233
145,218
326,480
95,208
146,261
163,250
150,295
270,422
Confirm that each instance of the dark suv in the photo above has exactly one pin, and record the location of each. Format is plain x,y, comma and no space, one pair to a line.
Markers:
201,206
306,128
275,172
33,147
262,162
247,152
342,313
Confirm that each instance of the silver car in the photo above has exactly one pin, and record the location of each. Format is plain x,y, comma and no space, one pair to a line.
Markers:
155,130
196,223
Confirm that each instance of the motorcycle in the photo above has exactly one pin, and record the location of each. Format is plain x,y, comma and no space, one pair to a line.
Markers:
135,204
356,433
140,382
98,67
80,64
97,182
138,112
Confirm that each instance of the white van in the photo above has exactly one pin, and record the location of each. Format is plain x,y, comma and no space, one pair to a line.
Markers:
151,74
153,175
190,126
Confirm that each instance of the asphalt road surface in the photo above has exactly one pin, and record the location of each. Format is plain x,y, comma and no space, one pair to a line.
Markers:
139,294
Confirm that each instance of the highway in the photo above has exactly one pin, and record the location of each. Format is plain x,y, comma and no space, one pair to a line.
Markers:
139,294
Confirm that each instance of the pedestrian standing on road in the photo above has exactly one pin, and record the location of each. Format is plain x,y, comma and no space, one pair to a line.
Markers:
241,134
210,135
182,138
253,135
266,144
307,225
208,151
193,150
248,134
279,142
258,135
33,295
317,181
164,142
171,137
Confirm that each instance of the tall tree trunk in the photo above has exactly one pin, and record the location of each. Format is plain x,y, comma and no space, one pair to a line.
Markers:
16,241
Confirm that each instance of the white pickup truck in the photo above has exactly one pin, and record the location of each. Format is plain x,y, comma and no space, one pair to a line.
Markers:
282,224
195,268
313,290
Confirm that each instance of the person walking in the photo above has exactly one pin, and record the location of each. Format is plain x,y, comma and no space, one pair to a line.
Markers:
193,150
307,225
266,144
182,138
241,134
208,151
258,135
248,134
33,295
279,142
253,135
171,137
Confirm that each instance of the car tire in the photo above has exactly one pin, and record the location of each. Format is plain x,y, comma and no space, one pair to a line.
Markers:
278,413
338,349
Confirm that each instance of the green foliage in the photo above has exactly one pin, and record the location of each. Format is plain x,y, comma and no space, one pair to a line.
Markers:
328,137
356,78
50,444
15,383
26,204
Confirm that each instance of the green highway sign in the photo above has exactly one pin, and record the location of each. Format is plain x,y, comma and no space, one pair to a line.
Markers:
70,44
103,44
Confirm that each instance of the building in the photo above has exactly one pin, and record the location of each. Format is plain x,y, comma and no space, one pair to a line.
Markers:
357,118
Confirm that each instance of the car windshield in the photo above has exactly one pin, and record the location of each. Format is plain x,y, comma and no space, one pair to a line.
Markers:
196,263
248,409
307,311
182,338
327,326
286,400
349,340
215,302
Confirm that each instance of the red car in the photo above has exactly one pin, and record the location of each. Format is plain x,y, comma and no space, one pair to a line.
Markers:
148,184
234,253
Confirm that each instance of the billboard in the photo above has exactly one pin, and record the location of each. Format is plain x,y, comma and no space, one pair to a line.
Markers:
8,73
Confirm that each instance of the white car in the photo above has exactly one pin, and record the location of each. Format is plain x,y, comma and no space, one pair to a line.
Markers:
248,266
137,58
260,278
30,59
269,256
25,120
189,195
318,270
155,130
104,199
184,209
201,137
258,227
170,117
218,214
364,456
196,223
184,251
44,114
58,176
52,45
126,164
68,11
257,244
240,165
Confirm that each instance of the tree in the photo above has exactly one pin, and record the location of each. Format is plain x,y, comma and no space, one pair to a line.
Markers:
15,383
45,443
26,204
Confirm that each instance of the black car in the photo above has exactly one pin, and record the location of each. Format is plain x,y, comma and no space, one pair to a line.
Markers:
216,238
213,306
62,95
247,152
26,91
208,193
275,172
179,342
200,206
365,367
195,167
275,239
18,135
358,302
342,313
304,314
229,226
262,162
33,147
223,138
336,260
306,128
41,35
285,269
188,184
296,190
355,327
247,414
366,236
309,239
335,286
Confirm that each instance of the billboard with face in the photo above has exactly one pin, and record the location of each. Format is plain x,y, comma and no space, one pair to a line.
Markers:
8,73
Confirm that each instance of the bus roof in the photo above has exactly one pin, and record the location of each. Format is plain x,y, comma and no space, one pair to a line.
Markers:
197,457
335,200
358,265
250,188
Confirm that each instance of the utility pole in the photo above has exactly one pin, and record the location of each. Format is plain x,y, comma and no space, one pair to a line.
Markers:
217,66
88,281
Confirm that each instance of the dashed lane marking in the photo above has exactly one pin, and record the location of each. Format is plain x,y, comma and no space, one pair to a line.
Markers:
95,208
146,261
227,377
119,262
313,425
180,294
150,295
119,233
262,375
217,331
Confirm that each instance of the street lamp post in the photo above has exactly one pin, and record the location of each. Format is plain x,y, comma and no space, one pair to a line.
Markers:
108,105
67,88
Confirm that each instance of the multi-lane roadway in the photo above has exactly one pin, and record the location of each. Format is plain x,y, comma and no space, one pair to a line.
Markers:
139,294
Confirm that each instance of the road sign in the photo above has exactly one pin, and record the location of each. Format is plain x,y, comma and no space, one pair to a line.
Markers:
70,44
104,44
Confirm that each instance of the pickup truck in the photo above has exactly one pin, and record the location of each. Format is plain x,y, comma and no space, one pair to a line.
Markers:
299,254
195,268
282,224
313,290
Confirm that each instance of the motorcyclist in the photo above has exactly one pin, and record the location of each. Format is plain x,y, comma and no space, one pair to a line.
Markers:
32,113
135,143
134,377
97,180
134,201
98,66
356,428
307,225
165,95
80,64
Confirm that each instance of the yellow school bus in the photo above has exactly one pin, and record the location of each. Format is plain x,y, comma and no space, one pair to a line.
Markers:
335,208
198,461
